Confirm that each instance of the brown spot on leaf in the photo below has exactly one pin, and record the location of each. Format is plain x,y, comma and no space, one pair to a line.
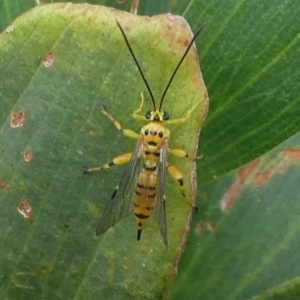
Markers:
49,59
17,119
171,17
211,226
186,43
27,154
261,178
91,131
82,75
292,154
46,268
241,177
279,165
144,250
5,186
252,176
201,227
25,209
125,269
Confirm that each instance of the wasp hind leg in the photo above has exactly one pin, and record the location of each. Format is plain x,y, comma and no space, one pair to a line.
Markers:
119,160
182,153
176,174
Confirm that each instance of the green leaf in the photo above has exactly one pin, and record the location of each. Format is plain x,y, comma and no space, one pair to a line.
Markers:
249,53
55,77
9,10
288,290
251,50
245,240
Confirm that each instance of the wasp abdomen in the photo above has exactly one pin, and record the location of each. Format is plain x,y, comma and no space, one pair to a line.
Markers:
145,196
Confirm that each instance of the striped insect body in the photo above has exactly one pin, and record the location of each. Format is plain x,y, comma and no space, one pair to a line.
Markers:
142,185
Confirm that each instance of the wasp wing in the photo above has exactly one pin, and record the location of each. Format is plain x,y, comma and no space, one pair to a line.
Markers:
120,204
160,207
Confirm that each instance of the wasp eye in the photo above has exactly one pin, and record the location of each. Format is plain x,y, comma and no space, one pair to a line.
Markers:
165,116
148,114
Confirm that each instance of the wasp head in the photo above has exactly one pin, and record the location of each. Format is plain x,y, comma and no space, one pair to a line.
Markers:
157,115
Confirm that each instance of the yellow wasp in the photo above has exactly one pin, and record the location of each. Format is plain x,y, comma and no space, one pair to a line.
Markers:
143,180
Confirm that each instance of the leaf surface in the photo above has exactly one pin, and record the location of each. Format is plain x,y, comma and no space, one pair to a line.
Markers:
55,76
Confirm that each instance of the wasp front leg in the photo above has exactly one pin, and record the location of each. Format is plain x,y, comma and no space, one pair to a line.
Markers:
188,114
119,160
136,112
127,132
176,174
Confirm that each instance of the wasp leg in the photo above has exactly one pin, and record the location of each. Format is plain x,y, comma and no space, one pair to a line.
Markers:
119,160
127,132
176,174
182,153
136,114
187,116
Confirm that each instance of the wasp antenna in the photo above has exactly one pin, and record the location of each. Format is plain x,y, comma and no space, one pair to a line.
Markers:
137,63
179,64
